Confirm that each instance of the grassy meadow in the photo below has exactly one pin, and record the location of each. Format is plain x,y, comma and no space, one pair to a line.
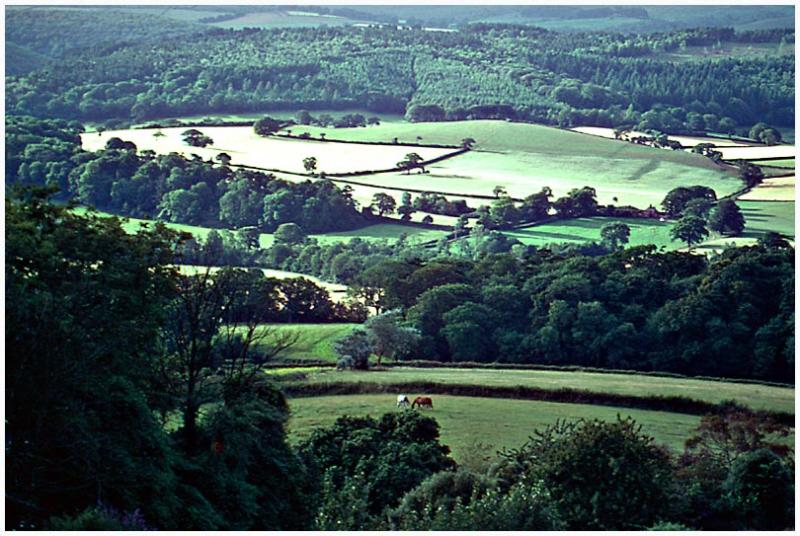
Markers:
315,341
783,163
759,152
282,19
753,395
772,189
580,230
482,426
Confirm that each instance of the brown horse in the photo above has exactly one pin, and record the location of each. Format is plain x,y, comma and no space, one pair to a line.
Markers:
423,402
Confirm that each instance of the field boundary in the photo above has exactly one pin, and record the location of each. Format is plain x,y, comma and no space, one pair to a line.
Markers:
578,368
671,404
290,363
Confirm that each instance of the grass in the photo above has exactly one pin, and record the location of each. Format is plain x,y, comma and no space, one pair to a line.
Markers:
588,229
315,341
786,163
485,424
783,152
282,19
777,189
760,217
753,395
525,157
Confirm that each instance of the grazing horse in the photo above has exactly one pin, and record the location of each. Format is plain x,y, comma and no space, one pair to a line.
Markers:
423,402
402,401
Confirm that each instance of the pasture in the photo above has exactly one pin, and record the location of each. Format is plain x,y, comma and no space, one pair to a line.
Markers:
760,152
761,397
772,189
504,136
482,426
315,341
282,19
760,217
247,148
619,179
687,141
780,163
580,230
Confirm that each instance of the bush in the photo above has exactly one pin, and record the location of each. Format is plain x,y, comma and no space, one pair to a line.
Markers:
598,475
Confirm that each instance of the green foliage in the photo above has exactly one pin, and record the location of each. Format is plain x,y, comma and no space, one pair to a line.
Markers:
390,339
726,218
616,235
751,174
354,348
690,229
761,487
289,233
266,126
631,479
363,466
678,199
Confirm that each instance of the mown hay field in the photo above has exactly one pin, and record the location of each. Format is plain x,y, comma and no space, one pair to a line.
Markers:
482,426
756,396
247,148
686,141
759,152
784,163
619,180
773,189
283,19
579,230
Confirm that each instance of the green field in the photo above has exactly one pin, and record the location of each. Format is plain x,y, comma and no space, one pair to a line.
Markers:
315,341
588,229
753,395
526,157
763,216
282,19
485,425
784,163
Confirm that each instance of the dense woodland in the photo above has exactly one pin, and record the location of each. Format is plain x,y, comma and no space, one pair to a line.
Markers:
480,71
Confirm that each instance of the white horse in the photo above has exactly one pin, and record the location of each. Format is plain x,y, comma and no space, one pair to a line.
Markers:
402,401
